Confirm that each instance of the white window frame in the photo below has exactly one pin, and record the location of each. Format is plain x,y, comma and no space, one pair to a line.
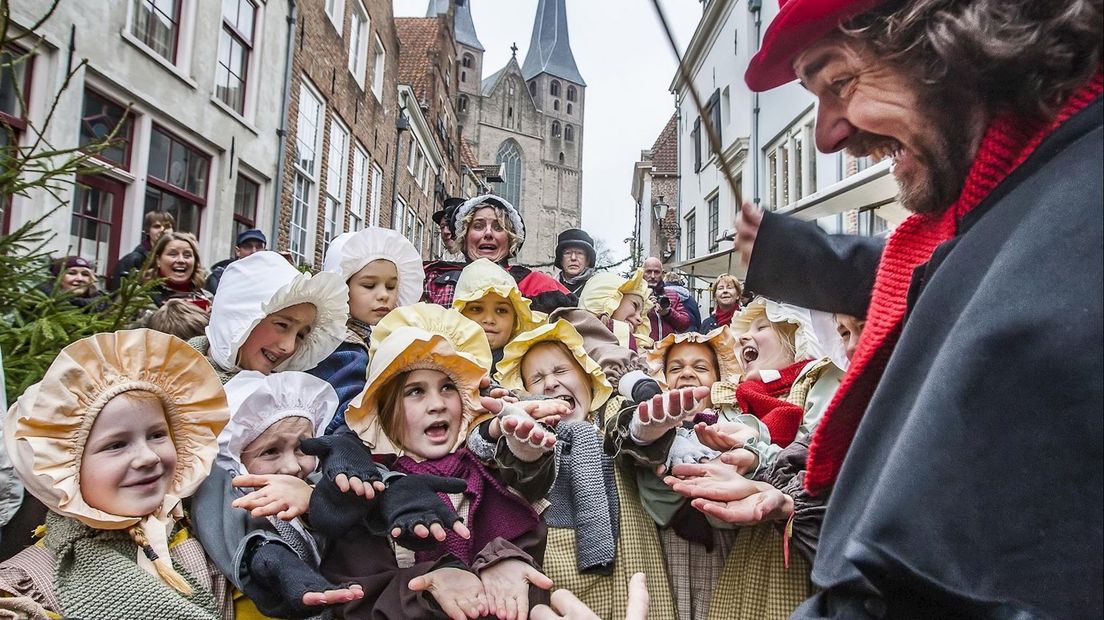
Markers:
791,163
359,28
337,166
335,10
358,187
251,65
379,67
398,215
305,201
181,64
377,194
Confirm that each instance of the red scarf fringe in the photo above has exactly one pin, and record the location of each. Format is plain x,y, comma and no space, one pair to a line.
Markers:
1007,143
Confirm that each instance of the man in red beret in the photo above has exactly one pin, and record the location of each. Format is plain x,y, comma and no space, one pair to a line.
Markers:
961,457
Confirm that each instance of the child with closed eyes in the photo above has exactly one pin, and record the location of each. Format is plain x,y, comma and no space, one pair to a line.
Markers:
623,305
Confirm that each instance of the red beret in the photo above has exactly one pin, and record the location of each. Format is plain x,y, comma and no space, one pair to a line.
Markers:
799,24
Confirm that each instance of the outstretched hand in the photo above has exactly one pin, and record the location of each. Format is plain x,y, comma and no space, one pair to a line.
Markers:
414,512
723,435
333,597
281,495
666,411
506,586
458,592
717,489
346,461
567,606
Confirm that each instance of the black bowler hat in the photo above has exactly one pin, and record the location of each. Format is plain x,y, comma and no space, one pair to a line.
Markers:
446,212
574,237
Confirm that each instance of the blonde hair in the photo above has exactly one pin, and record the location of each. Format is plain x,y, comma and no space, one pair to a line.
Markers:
724,277
180,318
199,274
513,240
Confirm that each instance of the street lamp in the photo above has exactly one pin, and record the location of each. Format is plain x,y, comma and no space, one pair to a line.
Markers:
660,209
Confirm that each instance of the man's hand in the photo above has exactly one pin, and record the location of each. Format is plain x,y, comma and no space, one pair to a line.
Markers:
285,496
566,606
747,229
347,462
506,586
458,592
665,411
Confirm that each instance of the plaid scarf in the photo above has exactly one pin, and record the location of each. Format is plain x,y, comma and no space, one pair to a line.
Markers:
1007,143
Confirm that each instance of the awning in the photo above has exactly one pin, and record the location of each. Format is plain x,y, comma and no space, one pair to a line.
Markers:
712,265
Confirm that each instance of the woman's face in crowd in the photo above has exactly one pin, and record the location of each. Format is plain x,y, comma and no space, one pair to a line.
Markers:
276,450
849,328
630,310
690,364
177,262
486,238
761,348
78,280
432,413
276,338
129,457
726,295
495,315
549,370
374,291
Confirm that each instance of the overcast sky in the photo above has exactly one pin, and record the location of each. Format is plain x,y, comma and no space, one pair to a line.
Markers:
627,63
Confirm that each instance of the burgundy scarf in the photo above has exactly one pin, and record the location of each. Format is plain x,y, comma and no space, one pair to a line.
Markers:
494,511
724,317
766,402
1007,143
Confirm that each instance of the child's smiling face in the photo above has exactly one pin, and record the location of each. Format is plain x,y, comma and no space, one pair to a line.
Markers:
690,364
630,310
129,457
276,450
761,347
276,338
432,412
495,315
549,370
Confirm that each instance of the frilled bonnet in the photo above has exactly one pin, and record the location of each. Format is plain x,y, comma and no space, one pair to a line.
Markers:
350,252
720,340
481,277
509,369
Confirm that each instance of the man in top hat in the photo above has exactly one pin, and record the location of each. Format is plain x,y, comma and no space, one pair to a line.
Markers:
248,242
961,456
443,219
575,258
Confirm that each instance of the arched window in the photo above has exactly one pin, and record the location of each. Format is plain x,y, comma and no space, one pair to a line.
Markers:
556,105
509,158
571,93
569,109
569,133
464,76
462,103
467,61
533,88
555,129
554,88
561,157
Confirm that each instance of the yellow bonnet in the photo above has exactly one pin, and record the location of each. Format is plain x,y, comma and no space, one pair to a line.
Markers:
481,277
604,291
420,336
47,428
509,369
721,340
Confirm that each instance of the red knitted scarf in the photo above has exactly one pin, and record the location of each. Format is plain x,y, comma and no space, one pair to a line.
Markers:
724,317
1007,143
761,400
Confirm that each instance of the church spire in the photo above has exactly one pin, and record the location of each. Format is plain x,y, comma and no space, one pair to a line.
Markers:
465,27
550,49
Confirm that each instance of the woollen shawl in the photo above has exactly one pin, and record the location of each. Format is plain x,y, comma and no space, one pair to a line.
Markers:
260,284
352,251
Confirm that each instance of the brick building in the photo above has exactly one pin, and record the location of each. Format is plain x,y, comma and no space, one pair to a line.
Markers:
341,137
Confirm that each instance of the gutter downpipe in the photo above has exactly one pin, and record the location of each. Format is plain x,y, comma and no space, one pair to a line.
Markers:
281,133
401,124
756,6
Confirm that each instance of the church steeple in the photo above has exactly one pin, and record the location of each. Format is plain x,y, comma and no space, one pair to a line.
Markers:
550,49
462,19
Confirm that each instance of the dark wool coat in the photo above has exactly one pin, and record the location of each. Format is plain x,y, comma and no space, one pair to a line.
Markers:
973,485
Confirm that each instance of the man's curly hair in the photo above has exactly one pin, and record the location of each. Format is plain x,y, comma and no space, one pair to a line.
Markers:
1023,56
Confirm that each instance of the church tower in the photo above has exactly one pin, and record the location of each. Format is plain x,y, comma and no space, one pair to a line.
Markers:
559,91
